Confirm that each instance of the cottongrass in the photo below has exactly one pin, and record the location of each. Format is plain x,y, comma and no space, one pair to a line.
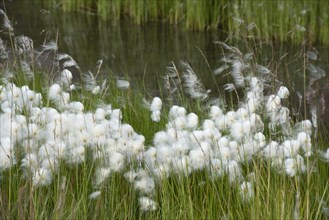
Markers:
235,152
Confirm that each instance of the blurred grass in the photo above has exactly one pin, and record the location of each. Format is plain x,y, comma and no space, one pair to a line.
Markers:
277,19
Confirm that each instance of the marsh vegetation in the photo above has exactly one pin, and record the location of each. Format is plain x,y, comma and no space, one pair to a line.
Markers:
79,144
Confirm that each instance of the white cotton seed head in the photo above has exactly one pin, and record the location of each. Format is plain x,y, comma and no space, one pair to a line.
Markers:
197,159
117,161
123,84
181,165
177,111
291,148
66,77
215,112
234,171
156,104
283,92
160,138
96,90
237,131
156,116
7,156
94,195
242,114
54,92
208,124
290,166
223,142
272,150
216,168
164,154
246,191
305,143
192,121
224,154
146,204
145,185
273,103
116,115
75,107
101,175
42,177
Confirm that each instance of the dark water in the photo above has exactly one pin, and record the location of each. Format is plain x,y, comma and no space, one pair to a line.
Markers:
142,53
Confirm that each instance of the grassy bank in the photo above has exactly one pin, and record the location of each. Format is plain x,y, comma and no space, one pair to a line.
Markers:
283,20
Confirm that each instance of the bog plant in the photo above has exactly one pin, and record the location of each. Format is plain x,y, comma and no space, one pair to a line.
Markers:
283,20
78,149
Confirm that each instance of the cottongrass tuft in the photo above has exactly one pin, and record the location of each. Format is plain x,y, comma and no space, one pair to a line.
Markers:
192,84
246,191
94,195
122,84
147,204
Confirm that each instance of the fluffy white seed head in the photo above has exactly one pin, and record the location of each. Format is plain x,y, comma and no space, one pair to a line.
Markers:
283,92
273,103
246,191
156,104
156,116
215,112
146,204
192,121
42,177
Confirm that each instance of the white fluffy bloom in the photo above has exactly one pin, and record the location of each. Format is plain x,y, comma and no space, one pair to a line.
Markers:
164,154
7,157
291,148
147,204
246,191
42,177
273,150
197,159
283,92
294,165
324,155
237,131
242,114
192,121
94,195
224,154
208,124
223,142
145,185
102,173
181,165
216,168
55,92
177,111
96,90
117,161
215,112
305,142
234,171
66,77
305,126
273,103
156,104
156,116
75,107
123,84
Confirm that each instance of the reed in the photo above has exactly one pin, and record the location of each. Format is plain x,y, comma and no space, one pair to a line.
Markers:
283,20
